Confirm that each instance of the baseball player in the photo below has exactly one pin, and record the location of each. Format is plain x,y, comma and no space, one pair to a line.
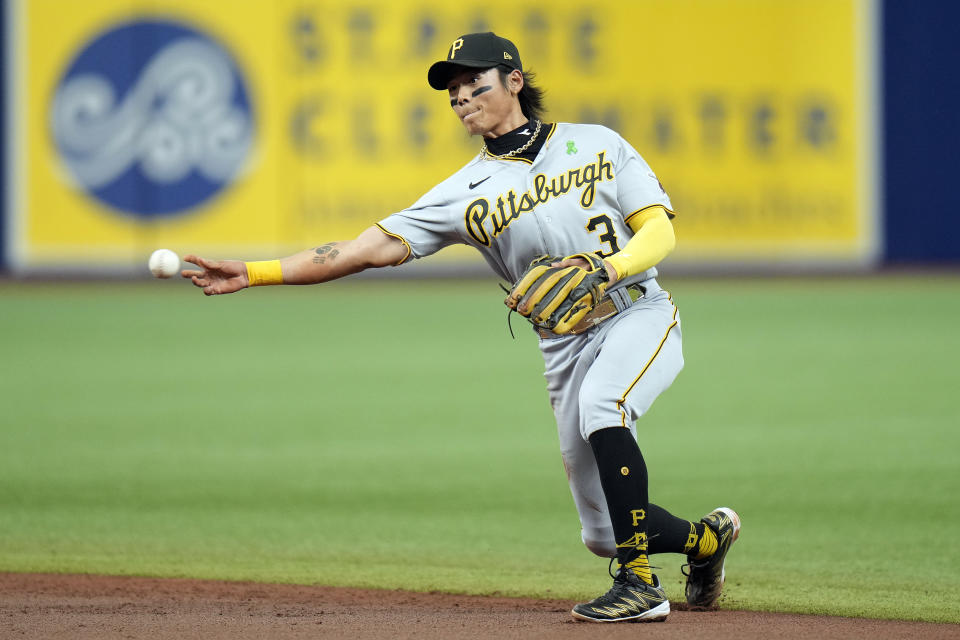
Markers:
574,217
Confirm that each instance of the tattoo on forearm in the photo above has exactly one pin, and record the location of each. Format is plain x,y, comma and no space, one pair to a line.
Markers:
326,252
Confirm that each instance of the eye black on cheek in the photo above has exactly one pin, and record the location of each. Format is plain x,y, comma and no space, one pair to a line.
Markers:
453,102
481,90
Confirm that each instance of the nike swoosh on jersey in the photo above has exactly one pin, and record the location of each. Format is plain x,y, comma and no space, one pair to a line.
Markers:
477,184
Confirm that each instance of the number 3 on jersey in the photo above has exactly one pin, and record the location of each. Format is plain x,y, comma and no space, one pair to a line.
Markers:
608,236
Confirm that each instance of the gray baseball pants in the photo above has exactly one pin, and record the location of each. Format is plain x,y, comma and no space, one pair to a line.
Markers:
609,377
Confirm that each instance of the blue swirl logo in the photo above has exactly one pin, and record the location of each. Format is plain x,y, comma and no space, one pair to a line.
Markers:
152,118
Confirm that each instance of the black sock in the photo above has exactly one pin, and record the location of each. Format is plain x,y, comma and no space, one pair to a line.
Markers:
623,476
669,534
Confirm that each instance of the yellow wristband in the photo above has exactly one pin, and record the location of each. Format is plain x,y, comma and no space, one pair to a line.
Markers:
264,272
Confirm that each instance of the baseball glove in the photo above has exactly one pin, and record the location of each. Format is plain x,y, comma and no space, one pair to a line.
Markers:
557,298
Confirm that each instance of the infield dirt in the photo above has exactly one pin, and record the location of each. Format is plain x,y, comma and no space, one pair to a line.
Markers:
86,607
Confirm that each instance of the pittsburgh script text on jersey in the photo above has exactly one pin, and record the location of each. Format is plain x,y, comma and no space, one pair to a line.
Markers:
586,176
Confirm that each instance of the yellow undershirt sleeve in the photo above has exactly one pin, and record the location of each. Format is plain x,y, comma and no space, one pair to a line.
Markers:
653,239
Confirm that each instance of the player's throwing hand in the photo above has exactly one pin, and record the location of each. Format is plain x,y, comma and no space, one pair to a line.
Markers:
217,276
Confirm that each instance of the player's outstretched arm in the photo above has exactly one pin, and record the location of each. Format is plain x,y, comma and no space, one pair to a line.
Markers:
372,248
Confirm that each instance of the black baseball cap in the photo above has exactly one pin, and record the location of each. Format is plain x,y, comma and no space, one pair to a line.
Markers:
478,50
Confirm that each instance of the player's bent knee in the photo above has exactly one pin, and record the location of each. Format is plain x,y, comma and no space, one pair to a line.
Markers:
599,542
588,430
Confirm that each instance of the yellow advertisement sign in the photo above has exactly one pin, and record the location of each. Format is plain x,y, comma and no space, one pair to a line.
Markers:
252,129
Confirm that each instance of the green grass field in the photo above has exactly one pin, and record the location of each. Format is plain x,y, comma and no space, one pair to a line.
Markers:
392,435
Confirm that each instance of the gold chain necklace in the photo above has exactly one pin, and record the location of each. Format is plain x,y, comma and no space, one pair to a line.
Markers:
486,155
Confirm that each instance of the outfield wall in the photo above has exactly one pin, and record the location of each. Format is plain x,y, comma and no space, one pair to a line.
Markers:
313,121
921,131
4,40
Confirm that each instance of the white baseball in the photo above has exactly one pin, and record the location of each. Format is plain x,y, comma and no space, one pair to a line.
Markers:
164,263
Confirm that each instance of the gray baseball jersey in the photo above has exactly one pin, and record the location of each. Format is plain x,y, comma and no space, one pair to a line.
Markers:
576,196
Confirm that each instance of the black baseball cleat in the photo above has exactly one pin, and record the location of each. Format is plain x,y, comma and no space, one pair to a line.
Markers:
705,577
629,600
